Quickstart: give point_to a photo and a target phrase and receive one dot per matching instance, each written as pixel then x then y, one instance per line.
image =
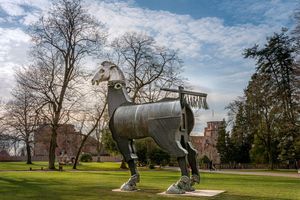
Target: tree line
pixel 265 122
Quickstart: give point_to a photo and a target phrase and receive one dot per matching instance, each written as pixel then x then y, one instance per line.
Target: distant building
pixel 4 155
pixel 68 142
pixel 206 144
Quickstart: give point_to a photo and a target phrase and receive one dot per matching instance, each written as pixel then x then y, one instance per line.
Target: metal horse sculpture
pixel 169 122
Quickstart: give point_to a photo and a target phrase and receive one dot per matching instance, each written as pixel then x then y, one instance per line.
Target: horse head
pixel 108 71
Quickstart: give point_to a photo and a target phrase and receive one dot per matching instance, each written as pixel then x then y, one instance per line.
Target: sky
pixel 209 34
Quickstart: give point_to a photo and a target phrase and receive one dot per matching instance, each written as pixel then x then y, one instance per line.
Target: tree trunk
pixel 79 150
pixel 99 148
pixel 28 150
pixel 52 149
pixel 78 153
pixel 98 158
pixel 271 163
pixel 87 135
pixel 123 164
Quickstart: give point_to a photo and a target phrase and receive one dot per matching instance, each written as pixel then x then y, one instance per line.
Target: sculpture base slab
pixel 197 193
pixel 119 190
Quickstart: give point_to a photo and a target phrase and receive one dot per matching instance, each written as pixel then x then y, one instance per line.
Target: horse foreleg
pixel 127 149
pixel 184 183
pixel 183 166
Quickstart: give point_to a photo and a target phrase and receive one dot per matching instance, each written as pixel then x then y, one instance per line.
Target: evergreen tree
pixel 272 96
pixel 224 145
pixel 241 137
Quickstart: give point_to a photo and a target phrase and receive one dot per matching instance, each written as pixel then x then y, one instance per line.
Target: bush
pixel 204 160
pixel 86 157
pixel 173 162
pixel 159 157
pixel 151 166
pixel 141 152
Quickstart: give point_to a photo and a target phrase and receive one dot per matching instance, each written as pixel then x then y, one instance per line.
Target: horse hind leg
pixel 168 136
pixel 186 183
pixel 126 147
pixel 178 150
pixel 192 158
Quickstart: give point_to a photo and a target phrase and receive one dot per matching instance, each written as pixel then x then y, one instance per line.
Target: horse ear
pixel 107 64
pixel 112 67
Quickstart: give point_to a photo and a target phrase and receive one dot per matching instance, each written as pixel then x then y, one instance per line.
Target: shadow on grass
pixel 33 189
pixel 228 196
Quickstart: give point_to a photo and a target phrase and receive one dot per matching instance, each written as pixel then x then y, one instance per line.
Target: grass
pixel 90 185
pixel 92 166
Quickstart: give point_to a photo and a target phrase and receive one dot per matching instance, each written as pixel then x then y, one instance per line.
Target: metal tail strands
pixel 194 99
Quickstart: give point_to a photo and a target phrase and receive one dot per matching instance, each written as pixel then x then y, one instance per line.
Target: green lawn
pixel 96 185
pixel 21 166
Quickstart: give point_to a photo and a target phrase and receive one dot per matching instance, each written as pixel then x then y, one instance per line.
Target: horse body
pixel 134 121
pixel 167 122
pixel 162 121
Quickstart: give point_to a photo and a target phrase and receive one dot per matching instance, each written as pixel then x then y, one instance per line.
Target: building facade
pixel 68 142
pixel 206 144
pixel 4 155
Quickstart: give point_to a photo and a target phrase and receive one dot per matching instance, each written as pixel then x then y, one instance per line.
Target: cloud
pixel 12 8
pixel 210 47
pixel 14 44
pixel 30 18
pixel 20 13
pixel 191 36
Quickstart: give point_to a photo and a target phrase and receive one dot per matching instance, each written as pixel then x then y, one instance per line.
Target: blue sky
pixel 209 34
pixel 232 12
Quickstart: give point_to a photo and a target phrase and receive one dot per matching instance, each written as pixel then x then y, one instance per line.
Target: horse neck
pixel 116 97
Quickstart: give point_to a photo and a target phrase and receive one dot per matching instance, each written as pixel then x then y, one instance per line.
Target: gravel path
pixel 226 171
pixel 292 175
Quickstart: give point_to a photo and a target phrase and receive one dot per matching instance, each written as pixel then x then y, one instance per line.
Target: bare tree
pixel 296 67
pixel 147 65
pixel 3 138
pixel 90 123
pixel 233 109
pixel 62 38
pixel 296 30
pixel 101 129
pixel 22 117
pixel 90 116
pixel 7 141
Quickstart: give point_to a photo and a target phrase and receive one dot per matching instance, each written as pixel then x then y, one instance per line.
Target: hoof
pixel 130 185
pixel 185 184
pixel 174 189
pixel 190 189
pixel 182 186
pixel 195 179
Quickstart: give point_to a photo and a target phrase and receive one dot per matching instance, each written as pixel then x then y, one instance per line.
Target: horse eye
pixel 101 71
pixel 118 86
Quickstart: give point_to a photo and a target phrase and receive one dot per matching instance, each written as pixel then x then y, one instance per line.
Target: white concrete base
pixel 119 190
pixel 197 193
